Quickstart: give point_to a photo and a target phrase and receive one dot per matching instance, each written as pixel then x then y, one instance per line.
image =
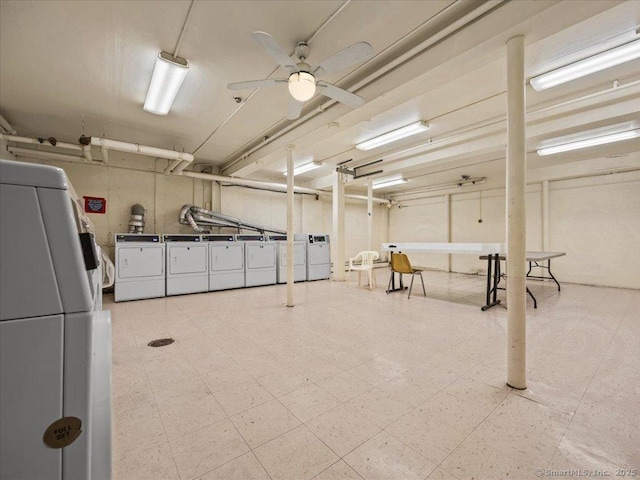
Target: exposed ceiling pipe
pixel 181 159
pixel 6 126
pixel 278 187
pixel 399 60
pixel 35 141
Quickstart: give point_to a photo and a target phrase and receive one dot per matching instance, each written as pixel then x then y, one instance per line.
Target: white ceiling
pixel 69 68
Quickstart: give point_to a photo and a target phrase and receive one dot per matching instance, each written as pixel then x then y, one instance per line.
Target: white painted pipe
pixel 172 165
pixel 370 213
pixel 35 141
pixel 290 206
pixel 6 126
pixel 545 216
pixel 141 149
pixel 280 187
pixel 516 216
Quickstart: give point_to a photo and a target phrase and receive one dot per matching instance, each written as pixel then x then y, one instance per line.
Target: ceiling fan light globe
pixel 302 86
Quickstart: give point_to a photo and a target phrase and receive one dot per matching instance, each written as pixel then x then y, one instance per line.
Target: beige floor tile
pixel 207 449
pixel 244 397
pixel 309 402
pixel 246 467
pixel 441 474
pixel 380 407
pixel 297 455
pixel 342 429
pixel 190 416
pixel 144 431
pixel 339 471
pixel 378 370
pixel 282 381
pixel 260 424
pixel 383 458
pixel 151 463
pixel 344 386
pixel 179 392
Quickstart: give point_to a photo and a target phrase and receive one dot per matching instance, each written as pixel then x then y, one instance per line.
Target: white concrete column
pixel 545 216
pixel 337 242
pixel 516 215
pixel 447 205
pixel 290 206
pixel 370 214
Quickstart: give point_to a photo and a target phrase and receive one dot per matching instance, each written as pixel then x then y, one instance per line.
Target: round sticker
pixel 62 432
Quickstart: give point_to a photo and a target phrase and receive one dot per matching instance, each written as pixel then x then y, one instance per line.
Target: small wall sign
pixel 95 204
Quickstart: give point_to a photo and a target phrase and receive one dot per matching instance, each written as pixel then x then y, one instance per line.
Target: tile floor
pixel 357 384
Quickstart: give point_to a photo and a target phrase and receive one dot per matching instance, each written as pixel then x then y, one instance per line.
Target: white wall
pixel 595 220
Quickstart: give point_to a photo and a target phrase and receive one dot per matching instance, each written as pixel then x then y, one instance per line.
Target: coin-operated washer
pixel 140 271
pixel 299 259
pixel 318 255
pixel 55 339
pixel 226 261
pixel 187 269
pixel 259 260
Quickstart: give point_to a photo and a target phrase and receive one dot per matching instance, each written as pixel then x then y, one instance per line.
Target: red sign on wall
pixel 95 204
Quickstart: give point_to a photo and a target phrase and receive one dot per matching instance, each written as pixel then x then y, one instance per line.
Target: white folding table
pixel 492 252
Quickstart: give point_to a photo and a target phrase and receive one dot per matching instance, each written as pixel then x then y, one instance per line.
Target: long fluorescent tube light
pixel 590 142
pixel 168 75
pixel 393 136
pixel 307 167
pixel 389 182
pixel 601 61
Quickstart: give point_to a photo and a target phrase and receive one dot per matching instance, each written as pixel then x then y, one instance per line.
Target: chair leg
pixel 370 279
pixel 389 285
pixel 411 286
pixel 422 280
pixel 359 277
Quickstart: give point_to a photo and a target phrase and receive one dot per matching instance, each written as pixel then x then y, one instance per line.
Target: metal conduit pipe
pixel 32 153
pixel 35 141
pixel 184 157
pixel 470 17
pixel 278 187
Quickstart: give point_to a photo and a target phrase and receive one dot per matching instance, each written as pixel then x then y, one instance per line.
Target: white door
pixel 186 259
pixel 135 262
pixel 261 255
pixel 225 258
pixel 318 254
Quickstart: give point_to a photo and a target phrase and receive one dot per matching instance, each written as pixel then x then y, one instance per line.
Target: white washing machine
pixel 187 264
pixel 259 260
pixel 299 259
pixel 55 339
pixel 318 255
pixel 140 271
pixel 226 262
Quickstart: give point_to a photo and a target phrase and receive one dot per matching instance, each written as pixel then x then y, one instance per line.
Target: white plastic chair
pixel 363 262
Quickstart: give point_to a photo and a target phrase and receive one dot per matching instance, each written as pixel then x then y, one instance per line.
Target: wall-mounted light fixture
pixel 307 167
pixel 389 182
pixel 588 141
pixel 587 66
pixel 168 75
pixel 394 135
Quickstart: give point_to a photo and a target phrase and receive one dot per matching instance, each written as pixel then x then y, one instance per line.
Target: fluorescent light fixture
pixel 601 61
pixel 389 182
pixel 394 135
pixel 307 167
pixel 168 75
pixel 302 86
pixel 590 142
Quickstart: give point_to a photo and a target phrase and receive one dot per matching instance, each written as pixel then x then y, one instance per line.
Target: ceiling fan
pixel 303 80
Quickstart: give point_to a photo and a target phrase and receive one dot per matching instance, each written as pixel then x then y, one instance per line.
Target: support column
pixel 338 228
pixel 516 215
pixel 370 214
pixel 290 205
pixel 447 205
pixel 545 216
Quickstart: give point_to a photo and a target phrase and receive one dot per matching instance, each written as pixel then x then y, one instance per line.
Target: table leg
pixel 493 269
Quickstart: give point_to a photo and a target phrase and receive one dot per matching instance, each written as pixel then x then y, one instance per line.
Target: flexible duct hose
pixel 201 220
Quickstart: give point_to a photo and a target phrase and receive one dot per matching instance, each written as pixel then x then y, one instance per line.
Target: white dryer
pixel 226 262
pixel 259 260
pixel 140 271
pixel 55 339
pixel 318 255
pixel 187 265
pixel 299 259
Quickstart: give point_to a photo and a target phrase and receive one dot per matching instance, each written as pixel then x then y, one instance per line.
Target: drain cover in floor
pixel 161 342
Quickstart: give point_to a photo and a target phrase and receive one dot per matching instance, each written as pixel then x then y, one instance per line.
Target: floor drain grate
pixel 161 342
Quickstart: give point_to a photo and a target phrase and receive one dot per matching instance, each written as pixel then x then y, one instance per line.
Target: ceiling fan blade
pixel 340 94
pixel 268 43
pixel 269 82
pixel 356 53
pixel 295 108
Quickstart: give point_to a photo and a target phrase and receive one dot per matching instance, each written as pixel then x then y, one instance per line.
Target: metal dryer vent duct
pixel 136 221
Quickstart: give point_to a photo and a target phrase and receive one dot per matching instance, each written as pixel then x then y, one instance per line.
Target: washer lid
pixel 32 175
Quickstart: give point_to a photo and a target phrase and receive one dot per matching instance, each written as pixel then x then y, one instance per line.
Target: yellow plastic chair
pixel 400 264
pixel 363 262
